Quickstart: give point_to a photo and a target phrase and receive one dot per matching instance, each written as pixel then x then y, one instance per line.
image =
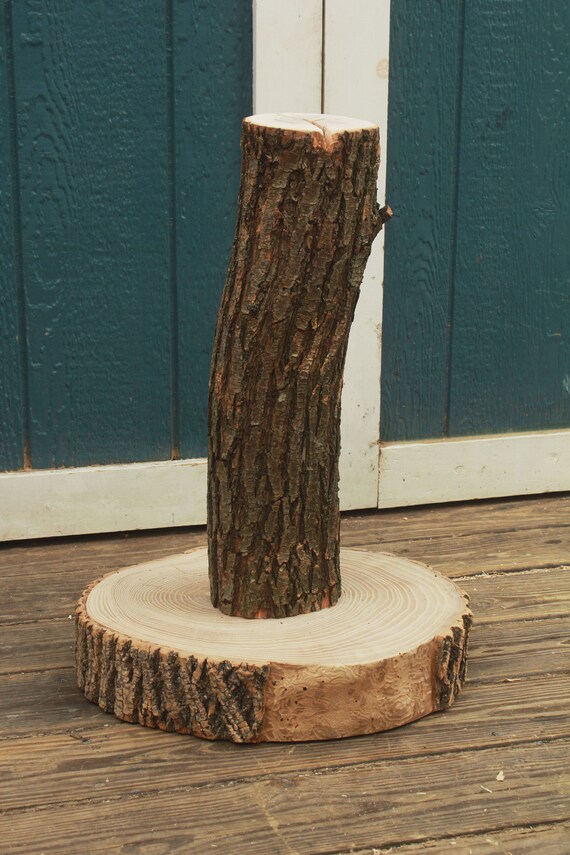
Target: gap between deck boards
pixel 497 842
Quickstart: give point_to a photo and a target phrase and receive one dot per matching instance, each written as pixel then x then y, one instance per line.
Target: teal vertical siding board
pixel 92 128
pixel 212 93
pixel 12 348
pixel 511 320
pixel 425 45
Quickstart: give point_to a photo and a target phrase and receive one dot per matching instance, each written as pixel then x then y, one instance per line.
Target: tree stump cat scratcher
pixel 275 633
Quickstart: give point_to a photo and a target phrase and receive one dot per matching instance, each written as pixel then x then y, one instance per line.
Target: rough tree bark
pixel 307 217
pixel 150 646
pixel 152 649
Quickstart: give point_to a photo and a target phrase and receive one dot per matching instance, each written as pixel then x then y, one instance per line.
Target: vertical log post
pixel 307 216
pixel 150 646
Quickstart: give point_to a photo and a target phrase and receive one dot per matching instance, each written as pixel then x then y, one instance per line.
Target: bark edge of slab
pixel 158 686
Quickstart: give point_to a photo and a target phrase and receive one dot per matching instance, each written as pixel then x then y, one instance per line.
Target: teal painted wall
pixel 476 319
pixel 119 168
pixel 12 383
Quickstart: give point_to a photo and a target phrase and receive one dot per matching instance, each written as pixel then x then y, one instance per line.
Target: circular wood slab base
pixel 152 649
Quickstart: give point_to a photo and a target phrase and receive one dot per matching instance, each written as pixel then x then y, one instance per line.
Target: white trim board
pixel 93 499
pixel 124 497
pixel 293 71
pixel 483 467
pixel 356 51
pixel 287 56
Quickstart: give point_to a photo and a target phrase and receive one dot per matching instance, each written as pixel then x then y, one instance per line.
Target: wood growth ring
pixel 261 637
pixel 152 649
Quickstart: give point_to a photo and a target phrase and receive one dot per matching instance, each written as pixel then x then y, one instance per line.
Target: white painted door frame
pixel 316 57
pixel 309 56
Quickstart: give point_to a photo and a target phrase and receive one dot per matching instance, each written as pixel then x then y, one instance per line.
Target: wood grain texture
pixel 459 519
pixel 212 76
pixel 12 347
pixel 151 648
pixel 425 51
pixel 488 715
pixel 503 650
pixel 525 840
pixel 60 595
pixel 473 555
pixel 90 96
pixel 76 780
pixel 522 623
pixel 510 368
pixel 492 717
pixel 458 539
pixel 276 814
pixel 532 595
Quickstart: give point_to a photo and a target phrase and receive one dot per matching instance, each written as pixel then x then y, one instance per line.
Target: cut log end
pixel 325 129
pixel 152 649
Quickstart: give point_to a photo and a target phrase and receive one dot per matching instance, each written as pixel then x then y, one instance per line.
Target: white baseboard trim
pixel 483 467
pixel 92 499
pixel 170 493
pixel 121 497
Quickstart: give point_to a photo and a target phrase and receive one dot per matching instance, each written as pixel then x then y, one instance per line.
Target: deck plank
pixel 93 555
pixel 460 518
pixel 470 555
pixel 48 713
pixel 79 780
pixel 519 596
pixel 528 840
pixel 375 804
pixel 518 648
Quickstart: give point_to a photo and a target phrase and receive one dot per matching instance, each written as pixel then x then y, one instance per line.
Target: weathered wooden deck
pixel 75 780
